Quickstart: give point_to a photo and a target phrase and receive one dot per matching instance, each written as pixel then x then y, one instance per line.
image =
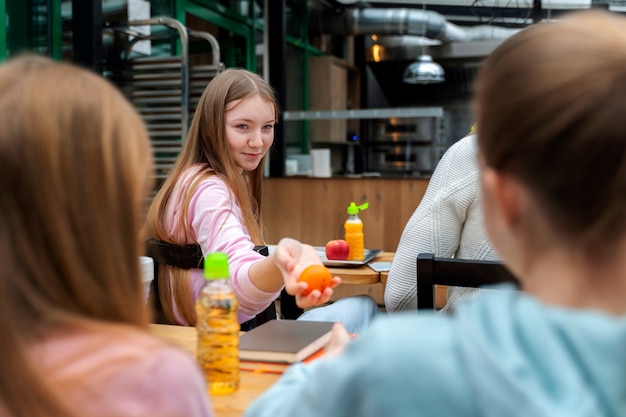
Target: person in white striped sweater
pixel 448 222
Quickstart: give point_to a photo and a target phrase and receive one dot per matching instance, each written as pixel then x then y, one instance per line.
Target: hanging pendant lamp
pixel 423 71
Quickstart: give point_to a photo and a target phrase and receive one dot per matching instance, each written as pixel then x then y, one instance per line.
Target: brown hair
pixel 550 102
pixel 74 163
pixel 206 144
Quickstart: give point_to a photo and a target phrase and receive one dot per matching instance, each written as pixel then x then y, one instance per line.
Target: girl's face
pixel 249 130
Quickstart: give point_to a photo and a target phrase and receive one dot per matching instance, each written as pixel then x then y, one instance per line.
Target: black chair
pixel 188 257
pixel 432 271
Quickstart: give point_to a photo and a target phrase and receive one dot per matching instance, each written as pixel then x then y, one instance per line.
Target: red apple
pixel 337 250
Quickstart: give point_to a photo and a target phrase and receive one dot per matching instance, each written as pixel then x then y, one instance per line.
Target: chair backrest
pixel 182 256
pixel 188 257
pixel 432 271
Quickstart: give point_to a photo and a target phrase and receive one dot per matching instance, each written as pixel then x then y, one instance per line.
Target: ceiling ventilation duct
pixel 402 21
pixel 402 34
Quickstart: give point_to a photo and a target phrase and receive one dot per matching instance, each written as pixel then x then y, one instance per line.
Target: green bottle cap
pixel 354 209
pixel 216 266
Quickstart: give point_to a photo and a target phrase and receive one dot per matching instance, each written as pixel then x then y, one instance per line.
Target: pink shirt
pixel 216 222
pixel 113 371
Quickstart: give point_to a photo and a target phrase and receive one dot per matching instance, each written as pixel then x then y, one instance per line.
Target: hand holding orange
pixel 317 277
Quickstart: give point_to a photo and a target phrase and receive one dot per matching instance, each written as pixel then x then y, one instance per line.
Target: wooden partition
pixel 313 210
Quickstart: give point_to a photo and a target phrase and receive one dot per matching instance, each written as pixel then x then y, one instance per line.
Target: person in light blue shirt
pixel 502 355
pixel 550 102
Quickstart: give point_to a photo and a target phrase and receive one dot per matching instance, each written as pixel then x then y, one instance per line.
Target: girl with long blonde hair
pixel 212 197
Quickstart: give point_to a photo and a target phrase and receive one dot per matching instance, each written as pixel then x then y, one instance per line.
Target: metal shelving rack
pixel 164 89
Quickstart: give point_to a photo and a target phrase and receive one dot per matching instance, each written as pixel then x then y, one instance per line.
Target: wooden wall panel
pixel 313 210
pixel 328 81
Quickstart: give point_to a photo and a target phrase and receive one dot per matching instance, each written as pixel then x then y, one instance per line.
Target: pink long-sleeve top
pixel 216 223
pixel 107 370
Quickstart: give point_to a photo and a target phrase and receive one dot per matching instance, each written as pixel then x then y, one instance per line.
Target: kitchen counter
pixel 368 175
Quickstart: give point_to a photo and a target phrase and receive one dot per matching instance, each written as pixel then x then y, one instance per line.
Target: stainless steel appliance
pixel 408 146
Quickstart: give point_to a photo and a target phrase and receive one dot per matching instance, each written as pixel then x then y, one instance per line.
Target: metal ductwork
pixel 402 34
pixel 402 21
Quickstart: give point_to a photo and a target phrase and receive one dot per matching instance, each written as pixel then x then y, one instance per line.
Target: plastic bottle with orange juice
pixel 218 328
pixel 353 228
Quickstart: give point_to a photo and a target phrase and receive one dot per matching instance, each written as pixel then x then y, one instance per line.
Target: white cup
pixel 291 167
pixel 320 163
pixel 147 273
pixel 304 162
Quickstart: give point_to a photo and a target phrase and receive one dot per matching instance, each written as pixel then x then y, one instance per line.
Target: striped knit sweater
pixel 447 223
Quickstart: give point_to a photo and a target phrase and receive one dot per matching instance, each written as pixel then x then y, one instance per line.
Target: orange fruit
pixel 317 276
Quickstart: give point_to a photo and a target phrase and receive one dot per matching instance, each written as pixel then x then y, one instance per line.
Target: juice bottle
pixel 218 328
pixel 353 228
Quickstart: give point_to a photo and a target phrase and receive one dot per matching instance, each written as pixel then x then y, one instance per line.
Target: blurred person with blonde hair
pixel 75 169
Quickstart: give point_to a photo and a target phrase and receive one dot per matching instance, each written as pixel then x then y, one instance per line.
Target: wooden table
pixel 363 274
pixel 251 384
pixel 366 275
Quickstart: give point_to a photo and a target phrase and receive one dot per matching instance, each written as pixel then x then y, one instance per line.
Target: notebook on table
pixel 284 341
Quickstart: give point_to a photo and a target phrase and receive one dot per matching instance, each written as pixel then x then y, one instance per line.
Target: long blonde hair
pixel 207 145
pixel 74 166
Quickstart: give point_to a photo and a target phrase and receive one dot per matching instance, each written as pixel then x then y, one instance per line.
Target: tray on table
pixel 369 255
pixel 321 251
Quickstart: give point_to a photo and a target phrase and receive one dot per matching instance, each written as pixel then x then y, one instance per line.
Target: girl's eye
pixel 268 127
pixel 242 126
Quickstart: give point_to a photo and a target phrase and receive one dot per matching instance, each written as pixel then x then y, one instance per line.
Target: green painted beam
pixel 298 43
pixel 228 12
pixel 3 30
pixel 218 19
pixel 224 18
pixel 55 29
